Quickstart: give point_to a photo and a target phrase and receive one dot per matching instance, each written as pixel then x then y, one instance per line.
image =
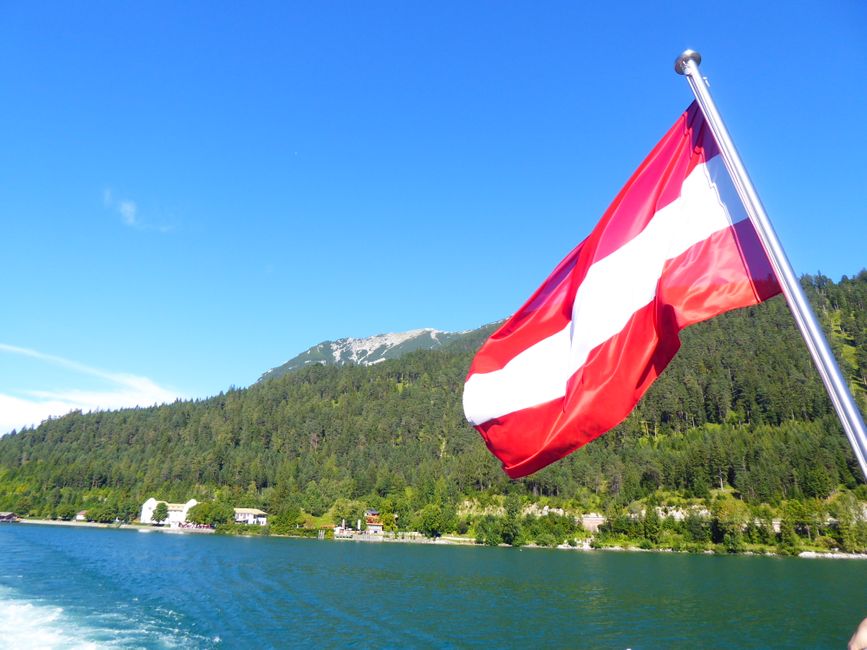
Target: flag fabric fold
pixel 673 249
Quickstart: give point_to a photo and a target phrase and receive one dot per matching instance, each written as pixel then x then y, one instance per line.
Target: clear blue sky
pixel 192 193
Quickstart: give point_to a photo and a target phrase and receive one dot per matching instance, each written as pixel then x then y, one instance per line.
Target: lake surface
pixel 63 587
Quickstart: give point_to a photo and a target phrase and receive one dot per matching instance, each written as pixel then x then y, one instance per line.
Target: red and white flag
pixel 674 248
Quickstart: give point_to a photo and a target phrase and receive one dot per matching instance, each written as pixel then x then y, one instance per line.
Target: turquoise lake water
pixel 64 587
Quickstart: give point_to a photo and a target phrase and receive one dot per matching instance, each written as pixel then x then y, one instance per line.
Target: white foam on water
pixel 33 625
pixel 28 625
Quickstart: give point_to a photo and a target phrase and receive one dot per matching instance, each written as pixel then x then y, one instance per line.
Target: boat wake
pixel 30 623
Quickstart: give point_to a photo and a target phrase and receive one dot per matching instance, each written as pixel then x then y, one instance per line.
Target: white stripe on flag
pixel 707 204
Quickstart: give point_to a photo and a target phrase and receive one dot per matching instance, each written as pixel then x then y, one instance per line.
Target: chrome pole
pixel 844 404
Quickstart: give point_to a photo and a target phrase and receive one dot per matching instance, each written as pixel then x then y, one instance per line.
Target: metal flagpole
pixel 687 64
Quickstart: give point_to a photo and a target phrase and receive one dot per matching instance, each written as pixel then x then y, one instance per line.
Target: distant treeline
pixel 740 408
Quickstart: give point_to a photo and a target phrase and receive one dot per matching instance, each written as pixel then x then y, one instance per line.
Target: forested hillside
pixel 740 409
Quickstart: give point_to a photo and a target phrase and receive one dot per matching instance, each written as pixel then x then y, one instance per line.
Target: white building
pixel 177 512
pixel 251 516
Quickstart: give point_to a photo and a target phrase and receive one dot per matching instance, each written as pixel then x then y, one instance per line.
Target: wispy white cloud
pixel 128 211
pixel 33 406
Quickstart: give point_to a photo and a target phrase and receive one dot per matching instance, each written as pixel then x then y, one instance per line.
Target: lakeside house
pixel 374 525
pixel 251 516
pixel 81 515
pixel 373 530
pixel 177 512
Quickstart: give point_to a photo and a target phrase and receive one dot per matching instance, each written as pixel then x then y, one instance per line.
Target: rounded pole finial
pixel 685 57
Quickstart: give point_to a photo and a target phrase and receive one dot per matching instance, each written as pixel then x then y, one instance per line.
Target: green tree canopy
pixel 161 513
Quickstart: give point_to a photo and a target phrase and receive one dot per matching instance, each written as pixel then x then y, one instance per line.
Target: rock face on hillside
pixel 368 351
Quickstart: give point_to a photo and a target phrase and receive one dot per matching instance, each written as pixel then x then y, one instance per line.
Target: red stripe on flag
pixel 724 272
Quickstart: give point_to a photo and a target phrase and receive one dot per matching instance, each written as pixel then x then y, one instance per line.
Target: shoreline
pixel 94 524
pixel 583 546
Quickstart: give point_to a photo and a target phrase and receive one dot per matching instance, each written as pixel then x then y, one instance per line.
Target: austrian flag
pixel 674 248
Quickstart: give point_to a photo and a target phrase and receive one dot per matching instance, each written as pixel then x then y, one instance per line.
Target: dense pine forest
pixel 738 424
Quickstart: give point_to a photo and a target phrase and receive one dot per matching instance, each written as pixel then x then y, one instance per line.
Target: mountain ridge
pixel 371 350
